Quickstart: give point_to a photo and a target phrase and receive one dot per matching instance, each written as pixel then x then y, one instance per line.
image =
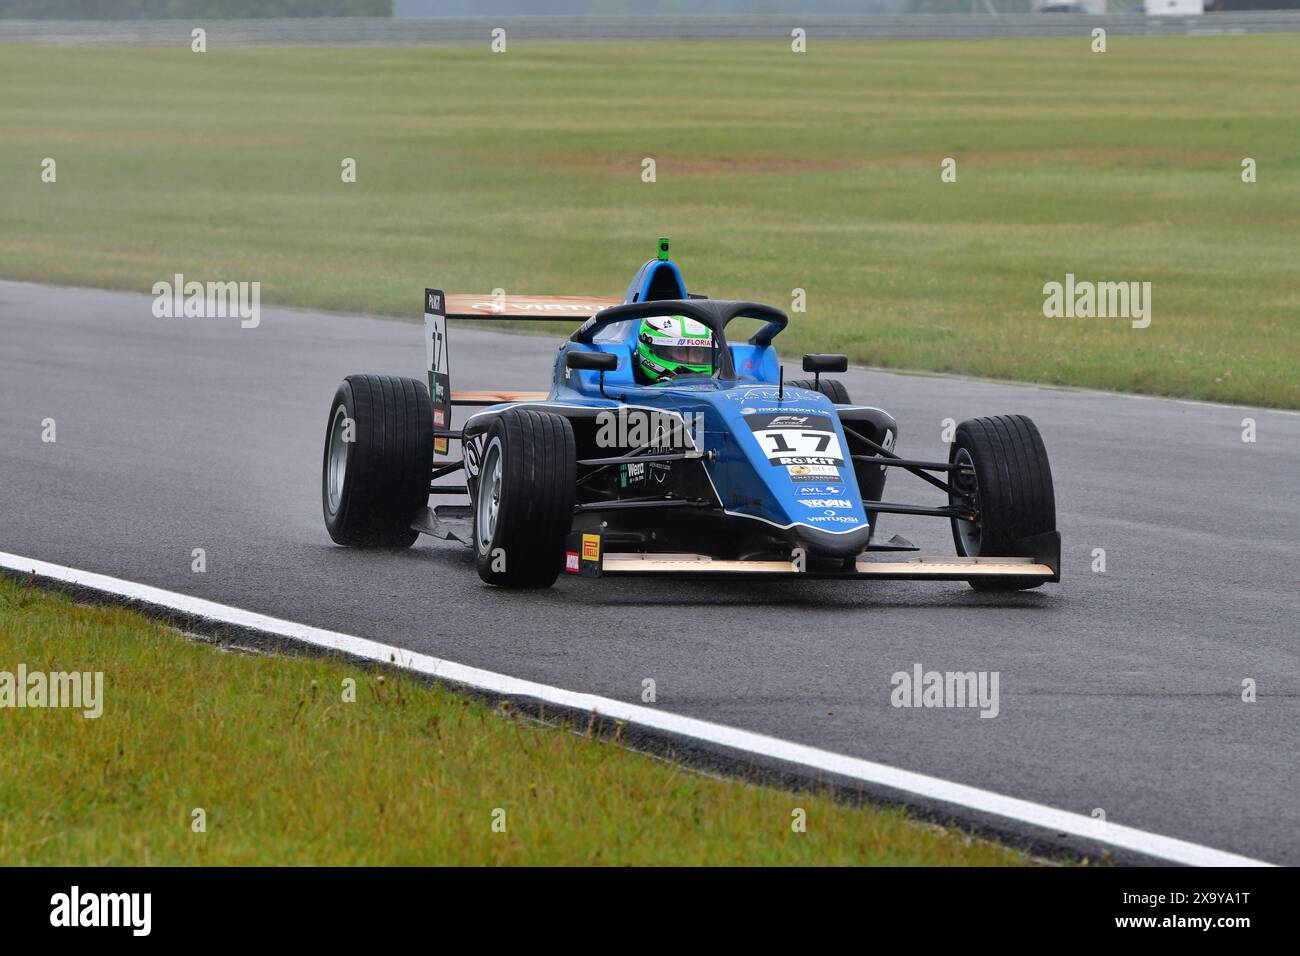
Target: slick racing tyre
pixel 1007 481
pixel 830 387
pixel 378 455
pixel 523 507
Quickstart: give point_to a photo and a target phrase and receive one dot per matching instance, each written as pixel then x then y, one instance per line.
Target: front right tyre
pixel 523 504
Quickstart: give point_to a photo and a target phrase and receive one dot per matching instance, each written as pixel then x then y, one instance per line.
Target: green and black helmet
pixel 672 345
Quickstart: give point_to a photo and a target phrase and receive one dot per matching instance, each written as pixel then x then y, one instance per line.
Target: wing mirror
pixel 824 362
pixel 593 361
pixel 601 362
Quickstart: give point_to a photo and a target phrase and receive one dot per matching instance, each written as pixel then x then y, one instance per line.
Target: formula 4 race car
pixel 665 447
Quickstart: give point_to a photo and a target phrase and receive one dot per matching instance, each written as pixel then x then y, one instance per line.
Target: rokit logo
pixel 132 910
pixel 804 459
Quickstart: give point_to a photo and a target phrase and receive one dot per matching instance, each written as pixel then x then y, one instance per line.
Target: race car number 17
pixel 797 439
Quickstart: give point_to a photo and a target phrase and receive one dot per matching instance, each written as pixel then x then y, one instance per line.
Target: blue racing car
pixel 669 444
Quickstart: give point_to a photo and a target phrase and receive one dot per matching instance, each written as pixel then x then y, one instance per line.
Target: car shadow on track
pixel 803 595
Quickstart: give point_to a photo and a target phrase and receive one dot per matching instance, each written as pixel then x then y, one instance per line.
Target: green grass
pixel 775 171
pixel 288 773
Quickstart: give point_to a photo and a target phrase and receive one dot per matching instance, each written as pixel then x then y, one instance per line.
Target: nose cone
pixel 844 544
pixel 794 445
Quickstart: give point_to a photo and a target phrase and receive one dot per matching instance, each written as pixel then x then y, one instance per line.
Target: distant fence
pixel 384 31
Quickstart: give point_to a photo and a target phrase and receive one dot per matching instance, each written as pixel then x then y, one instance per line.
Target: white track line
pixel 930 788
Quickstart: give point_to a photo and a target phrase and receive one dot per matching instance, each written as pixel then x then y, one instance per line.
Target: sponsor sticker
pixel 437 362
pixel 591 547
pixel 472 449
pixel 813 473
pixel 770 395
pixel 760 394
pixel 636 473
pixel 826 502
pixel 571 561
pixel 796 439
pixel 827 490
pixel 805 460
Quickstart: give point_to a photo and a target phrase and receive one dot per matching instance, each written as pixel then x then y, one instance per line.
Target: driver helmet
pixel 672 345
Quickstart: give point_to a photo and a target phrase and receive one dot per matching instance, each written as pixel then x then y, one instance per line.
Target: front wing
pixel 1040 558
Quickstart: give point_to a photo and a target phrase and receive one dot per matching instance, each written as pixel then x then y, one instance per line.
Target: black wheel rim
pixel 966 494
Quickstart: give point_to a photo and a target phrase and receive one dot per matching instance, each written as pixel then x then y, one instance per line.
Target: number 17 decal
pixel 786 446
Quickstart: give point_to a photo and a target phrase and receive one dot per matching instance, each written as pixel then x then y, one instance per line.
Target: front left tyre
pixel 1002 475
pixel 378 457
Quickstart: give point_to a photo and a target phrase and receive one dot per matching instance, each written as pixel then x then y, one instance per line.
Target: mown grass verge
pixel 285 771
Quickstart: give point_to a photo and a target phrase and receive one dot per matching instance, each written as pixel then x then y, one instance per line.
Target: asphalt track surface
pixel 1118 690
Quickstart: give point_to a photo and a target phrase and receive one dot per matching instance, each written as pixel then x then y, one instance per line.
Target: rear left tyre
pixel 378 456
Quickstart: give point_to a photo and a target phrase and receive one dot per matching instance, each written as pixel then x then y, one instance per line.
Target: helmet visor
pixel 698 355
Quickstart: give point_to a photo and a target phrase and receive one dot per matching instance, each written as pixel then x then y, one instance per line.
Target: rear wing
pixel 440 306
pixel 535 307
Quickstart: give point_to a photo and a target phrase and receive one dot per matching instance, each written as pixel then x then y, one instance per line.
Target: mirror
pixel 825 363
pixel 594 361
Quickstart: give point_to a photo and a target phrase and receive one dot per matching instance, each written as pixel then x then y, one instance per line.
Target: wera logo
pixel 103 909
pixel 82 691
pixel 946 689
pixel 211 300
pixel 1102 300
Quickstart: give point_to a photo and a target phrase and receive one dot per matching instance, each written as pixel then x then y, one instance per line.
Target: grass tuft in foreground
pixel 286 772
